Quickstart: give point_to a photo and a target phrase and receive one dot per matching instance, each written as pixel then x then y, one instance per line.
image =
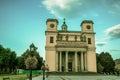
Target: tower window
pixel 51 39
pixel 89 40
pixel 84 39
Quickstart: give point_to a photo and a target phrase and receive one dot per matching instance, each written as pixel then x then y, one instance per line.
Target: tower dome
pixel 64 26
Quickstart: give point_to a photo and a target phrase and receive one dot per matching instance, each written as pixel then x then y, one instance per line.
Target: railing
pixel 71 44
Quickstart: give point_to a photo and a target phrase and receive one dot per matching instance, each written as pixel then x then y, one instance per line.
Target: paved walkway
pixel 78 78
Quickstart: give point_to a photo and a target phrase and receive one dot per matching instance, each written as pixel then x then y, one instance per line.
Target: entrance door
pixel 69 66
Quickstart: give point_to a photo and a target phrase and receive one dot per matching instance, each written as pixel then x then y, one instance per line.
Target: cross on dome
pixel 64 21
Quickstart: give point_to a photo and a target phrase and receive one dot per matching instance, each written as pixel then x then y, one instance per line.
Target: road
pixel 52 77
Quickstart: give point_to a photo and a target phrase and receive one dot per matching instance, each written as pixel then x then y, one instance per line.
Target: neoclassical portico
pixel 71 61
pixel 70 51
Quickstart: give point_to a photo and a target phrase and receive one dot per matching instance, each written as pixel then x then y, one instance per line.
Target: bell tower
pixel 52 24
pixel 88 30
pixel 87 26
pixel 51 38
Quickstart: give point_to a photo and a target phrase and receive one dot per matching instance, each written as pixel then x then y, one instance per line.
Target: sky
pixel 23 22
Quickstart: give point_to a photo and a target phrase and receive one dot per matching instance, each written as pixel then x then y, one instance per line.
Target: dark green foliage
pixel 20 62
pixel 106 61
pixel 117 64
pixel 8 61
pixel 21 59
pixel 99 68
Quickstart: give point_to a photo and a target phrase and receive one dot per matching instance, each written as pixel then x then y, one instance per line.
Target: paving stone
pixel 52 77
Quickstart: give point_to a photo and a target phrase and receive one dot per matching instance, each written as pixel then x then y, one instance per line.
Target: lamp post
pixel 30 73
pixel 32 62
pixel 43 69
pixel 32 48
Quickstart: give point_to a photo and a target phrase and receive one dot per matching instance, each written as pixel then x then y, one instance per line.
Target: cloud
pixel 114 9
pixel 73 8
pixel 114 49
pixel 100 43
pixel 116 5
pixel 113 32
pixel 63 8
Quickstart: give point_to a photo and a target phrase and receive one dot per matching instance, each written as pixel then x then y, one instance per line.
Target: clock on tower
pixel 52 24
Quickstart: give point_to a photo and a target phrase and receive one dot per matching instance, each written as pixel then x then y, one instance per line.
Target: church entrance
pixel 69 66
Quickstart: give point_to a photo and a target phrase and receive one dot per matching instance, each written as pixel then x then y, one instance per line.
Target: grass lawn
pixel 14 77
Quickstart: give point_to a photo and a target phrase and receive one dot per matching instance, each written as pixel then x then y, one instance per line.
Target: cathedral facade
pixel 70 51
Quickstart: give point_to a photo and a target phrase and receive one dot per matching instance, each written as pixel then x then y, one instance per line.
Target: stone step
pixel 73 73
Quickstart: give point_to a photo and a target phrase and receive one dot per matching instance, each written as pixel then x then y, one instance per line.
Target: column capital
pixel 83 51
pixel 76 51
pixel 66 51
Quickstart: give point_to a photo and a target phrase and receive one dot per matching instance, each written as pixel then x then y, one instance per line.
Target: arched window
pixel 84 38
pixel 81 38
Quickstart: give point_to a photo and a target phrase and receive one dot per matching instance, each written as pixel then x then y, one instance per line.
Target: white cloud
pixel 113 32
pixel 70 8
pixel 100 43
pixel 77 8
pixel 63 8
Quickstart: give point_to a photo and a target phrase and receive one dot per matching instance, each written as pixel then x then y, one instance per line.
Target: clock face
pixel 88 26
pixel 52 25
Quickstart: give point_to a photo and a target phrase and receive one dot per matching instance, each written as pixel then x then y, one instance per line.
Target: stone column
pixel 66 61
pixel 56 60
pixel 85 61
pixel 76 68
pixel 60 61
pixel 82 68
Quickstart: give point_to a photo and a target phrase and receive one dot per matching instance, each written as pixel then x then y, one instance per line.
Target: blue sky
pixel 23 22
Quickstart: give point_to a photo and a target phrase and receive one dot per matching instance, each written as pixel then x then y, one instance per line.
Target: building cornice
pixel 69 31
pixel 87 21
pixel 50 32
pixel 52 20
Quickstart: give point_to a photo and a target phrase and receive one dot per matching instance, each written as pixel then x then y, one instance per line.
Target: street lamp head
pixel 32 47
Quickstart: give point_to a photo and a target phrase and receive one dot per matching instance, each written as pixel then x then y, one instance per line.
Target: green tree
pixel 106 60
pixel 31 62
pixel 7 60
pixel 117 64
pixel 99 68
pixel 20 62
pixel 1 58
pixel 12 61
pixel 30 59
pixel 28 53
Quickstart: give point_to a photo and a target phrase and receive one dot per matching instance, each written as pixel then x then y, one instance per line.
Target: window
pixel 66 37
pixel 84 39
pixel 89 40
pixel 51 39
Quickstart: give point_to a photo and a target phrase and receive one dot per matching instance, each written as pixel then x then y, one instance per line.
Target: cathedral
pixel 70 51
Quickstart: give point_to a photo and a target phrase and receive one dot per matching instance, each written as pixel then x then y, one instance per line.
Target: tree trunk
pixel 30 74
